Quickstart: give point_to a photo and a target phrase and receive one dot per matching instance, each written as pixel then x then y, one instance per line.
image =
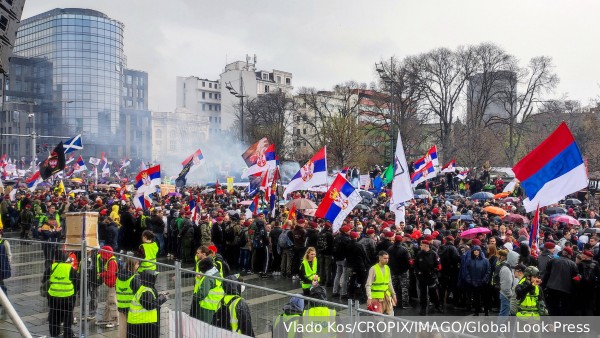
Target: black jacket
pixel 326 236
pixel 426 264
pixel 559 275
pixel 340 244
pixel 312 236
pixel 399 259
pixel 359 261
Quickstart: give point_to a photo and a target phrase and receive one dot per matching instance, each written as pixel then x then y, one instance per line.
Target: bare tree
pixel 269 115
pixel 442 73
pixel 332 119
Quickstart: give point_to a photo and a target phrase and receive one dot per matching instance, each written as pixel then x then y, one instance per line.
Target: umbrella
pixel 555 210
pixel 77 191
pixel 482 195
pixel 565 219
pixel 502 195
pixel 113 185
pixel 422 193
pixel 495 210
pixel 489 187
pixel 592 231
pixel 472 233
pixel 174 194
pixel 362 207
pixel 301 204
pixel 572 201
pixel 466 218
pixel 455 197
pixel 516 218
pixel 248 202
pixel 511 199
pixel 207 191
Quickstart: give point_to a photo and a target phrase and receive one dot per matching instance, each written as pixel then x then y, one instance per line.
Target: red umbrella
pixel 515 218
pixel 566 219
pixel 472 233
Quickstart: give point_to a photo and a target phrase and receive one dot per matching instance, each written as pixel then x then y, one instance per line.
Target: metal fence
pixel 31 259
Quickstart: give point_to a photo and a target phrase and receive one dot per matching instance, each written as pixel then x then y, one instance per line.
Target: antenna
pixel 255 59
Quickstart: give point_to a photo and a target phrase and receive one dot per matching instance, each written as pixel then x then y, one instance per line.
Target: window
pixel 209 85
pixel 210 107
pixel 173 145
pixel 278 79
pixel 3 22
pixel 210 95
pixel 203 84
pixel 203 95
pixel 265 76
pixel 203 107
pixel 298 131
pixel 266 89
pixel 210 119
pixel 304 131
pixel 288 81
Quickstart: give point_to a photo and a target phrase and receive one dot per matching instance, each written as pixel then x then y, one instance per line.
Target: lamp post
pixel 241 96
pixel 33 140
pixel 379 67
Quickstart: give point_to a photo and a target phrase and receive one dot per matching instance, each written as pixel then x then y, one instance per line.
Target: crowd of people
pixel 390 266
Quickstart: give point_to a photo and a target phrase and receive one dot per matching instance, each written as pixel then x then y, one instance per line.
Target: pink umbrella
pixel 472 233
pixel 566 219
pixel 248 202
pixel 511 199
pixel 515 218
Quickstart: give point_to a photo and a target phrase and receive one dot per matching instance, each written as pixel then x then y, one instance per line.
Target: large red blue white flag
pixel 259 157
pixel 314 172
pixel 339 201
pixel 552 171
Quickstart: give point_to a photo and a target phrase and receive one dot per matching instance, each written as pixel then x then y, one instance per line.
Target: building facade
pixel 201 97
pixel 91 91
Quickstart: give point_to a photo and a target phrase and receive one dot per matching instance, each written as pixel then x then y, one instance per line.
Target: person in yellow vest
pixel 292 312
pixel 143 318
pixel 208 292
pixel 61 294
pixel 528 303
pixel 148 250
pixel 319 312
pixel 308 271
pixel 233 313
pixel 127 280
pixel 379 288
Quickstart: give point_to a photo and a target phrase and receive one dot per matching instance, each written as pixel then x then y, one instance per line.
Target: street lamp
pixel 379 67
pixel 241 96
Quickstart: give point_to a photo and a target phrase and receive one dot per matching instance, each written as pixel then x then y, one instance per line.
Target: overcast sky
pixel 326 42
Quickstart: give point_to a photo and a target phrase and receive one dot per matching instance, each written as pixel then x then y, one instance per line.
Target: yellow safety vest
pixel 150 250
pixel 529 305
pixel 218 265
pixel 137 313
pixel 212 300
pixel 319 313
pixel 310 272
pixel 279 328
pixel 198 278
pixel 60 281
pixel 235 327
pixel 380 288
pixel 124 292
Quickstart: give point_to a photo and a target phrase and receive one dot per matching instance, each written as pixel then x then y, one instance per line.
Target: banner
pixel 365 181
pixel 230 184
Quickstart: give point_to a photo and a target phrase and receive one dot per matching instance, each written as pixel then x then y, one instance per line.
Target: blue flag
pixel 73 144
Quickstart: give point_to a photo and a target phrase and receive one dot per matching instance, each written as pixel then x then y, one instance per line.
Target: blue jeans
pixel 504 309
pixel 160 240
pixel 245 259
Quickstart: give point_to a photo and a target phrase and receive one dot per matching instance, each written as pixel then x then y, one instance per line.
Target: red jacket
pixel 109 275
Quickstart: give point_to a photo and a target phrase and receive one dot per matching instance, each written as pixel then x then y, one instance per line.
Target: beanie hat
pixel 301 221
pixel 475 241
pixel 426 242
pixel 568 250
pixel 549 245
pixel 588 253
pixel 212 248
pixel 388 234
pixel 345 228
pixel 370 232
pixel 354 235
pixel 327 225
pixel 398 238
pixel 313 225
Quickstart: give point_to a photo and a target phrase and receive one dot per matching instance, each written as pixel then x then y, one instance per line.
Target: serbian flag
pixel 259 157
pixel 552 171
pixel 33 181
pixel 147 179
pixel 339 201
pixel 344 171
pixel 425 173
pixel 254 206
pixel 314 172
pixel 463 174
pixel 79 166
pixel 196 158
pixel 431 156
pixel 534 232
pixel 449 167
pixel 142 201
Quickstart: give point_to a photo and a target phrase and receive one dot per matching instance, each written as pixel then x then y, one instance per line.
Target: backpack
pixel 257 241
pixel 588 274
pixel 238 239
pixel 284 240
pixel 322 242
pixel 222 318
pixel 229 234
pixel 496 275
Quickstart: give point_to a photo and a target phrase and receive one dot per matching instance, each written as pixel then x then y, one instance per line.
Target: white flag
pixel 401 187
pixel 511 186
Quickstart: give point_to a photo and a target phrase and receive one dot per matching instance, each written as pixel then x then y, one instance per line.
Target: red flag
pixel 535 232
pixel 292 213
pixel 218 189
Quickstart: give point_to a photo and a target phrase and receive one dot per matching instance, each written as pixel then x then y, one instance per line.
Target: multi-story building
pixel 488 92
pixel 219 101
pixel 91 92
pixel 201 97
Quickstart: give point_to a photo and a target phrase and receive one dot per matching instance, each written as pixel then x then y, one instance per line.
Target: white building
pixel 202 98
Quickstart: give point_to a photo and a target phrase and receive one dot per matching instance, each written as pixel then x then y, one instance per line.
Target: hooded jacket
pixel 114 214
pixel 478 269
pixel 242 310
pixel 507 276
pixel 109 275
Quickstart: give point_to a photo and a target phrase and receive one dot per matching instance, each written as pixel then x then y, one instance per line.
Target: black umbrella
pixel 572 201
pixel 362 207
pixel 555 210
